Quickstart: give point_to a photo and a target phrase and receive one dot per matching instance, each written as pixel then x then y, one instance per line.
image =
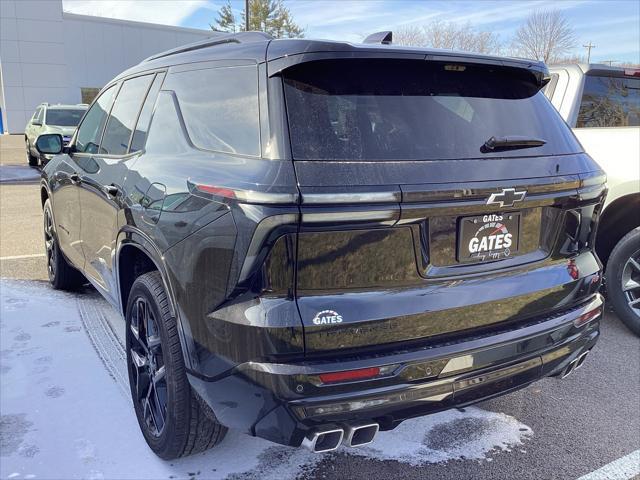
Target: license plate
pixel 490 237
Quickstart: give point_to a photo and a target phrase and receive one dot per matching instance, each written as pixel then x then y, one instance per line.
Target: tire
pixel 32 159
pixel 623 279
pixel 62 276
pixel 175 422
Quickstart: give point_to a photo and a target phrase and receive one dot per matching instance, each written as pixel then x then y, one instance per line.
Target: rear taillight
pixel 631 72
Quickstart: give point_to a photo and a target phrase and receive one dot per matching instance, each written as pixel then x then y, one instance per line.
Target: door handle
pixel 75 178
pixel 111 190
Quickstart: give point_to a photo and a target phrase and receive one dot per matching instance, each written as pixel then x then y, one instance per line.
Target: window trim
pixel 156 75
pixel 127 153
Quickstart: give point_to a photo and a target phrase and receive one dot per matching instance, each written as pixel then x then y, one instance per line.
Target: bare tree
pixel 546 35
pixel 450 36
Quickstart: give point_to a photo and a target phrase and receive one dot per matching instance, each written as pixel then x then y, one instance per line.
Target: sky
pixel 613 26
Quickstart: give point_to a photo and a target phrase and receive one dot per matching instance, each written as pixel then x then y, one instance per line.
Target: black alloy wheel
pixel 174 421
pixel 149 371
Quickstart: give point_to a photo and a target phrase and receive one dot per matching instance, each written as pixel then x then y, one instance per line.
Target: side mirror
pixel 49 143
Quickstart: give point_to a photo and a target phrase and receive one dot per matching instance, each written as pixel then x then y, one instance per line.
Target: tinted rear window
pixel 610 102
pixel 64 117
pixel 363 109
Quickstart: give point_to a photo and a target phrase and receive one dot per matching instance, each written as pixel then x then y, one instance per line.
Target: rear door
pixel 102 177
pixel 66 196
pixel 409 218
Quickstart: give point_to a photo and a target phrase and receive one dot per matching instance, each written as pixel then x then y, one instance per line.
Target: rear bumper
pixel 283 402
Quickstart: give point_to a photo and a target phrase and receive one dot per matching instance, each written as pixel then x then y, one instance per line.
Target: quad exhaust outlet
pixel 327 439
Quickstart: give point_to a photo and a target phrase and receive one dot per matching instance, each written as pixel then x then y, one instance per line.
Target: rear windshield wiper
pixel 511 142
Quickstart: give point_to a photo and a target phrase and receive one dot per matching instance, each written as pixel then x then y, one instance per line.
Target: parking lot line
pixel 621 469
pixel 20 257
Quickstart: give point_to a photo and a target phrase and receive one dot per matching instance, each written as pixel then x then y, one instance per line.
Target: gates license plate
pixel 490 237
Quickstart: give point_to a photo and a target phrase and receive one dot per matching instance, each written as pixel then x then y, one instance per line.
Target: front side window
pixel 387 110
pixel 123 115
pixel 220 107
pixel 609 102
pixel 64 117
pixel 88 137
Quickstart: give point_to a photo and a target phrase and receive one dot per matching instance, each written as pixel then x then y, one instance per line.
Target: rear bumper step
pixel 281 402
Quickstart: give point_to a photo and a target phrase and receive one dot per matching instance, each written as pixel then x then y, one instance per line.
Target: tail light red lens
pixel 350 375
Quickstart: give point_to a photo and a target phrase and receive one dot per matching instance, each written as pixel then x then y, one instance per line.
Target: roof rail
pixel 240 37
pixel 384 38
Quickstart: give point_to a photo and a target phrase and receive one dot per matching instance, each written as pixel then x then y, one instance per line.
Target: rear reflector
pixel 349 375
pixel 587 317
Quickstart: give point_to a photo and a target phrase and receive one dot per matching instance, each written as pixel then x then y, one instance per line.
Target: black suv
pixel 314 240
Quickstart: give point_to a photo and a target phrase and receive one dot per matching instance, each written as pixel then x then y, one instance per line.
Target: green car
pixel 61 119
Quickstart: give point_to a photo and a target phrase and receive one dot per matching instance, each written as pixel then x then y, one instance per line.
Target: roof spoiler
pixel 240 37
pixel 385 38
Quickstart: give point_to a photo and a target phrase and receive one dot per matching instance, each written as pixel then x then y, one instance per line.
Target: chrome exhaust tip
pixel 321 441
pixel 581 359
pixel 569 370
pixel 360 434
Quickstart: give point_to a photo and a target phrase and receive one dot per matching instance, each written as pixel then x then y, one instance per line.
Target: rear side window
pixel 220 107
pixel 142 126
pixel 375 109
pixel 123 115
pixel 610 102
pixel 88 137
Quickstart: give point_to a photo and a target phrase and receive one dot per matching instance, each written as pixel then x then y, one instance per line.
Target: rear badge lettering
pixel 326 317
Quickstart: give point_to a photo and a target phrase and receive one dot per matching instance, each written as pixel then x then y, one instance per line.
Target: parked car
pixel 313 240
pixel 62 119
pixel 602 105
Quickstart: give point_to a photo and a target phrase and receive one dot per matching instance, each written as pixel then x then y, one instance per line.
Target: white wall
pixel 47 55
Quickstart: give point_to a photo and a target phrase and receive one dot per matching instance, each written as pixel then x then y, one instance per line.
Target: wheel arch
pixel 136 254
pixel 615 222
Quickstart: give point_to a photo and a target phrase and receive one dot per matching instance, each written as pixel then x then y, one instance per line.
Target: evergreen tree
pixel 270 16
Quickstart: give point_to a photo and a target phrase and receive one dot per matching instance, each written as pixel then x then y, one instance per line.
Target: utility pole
pixel 246 15
pixel 589 46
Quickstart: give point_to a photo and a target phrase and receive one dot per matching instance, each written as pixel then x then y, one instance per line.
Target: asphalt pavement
pixel 576 425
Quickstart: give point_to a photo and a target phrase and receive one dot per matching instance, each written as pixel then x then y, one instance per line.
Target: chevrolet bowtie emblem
pixel 506 198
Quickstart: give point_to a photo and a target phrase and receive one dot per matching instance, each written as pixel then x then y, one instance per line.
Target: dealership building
pixel 48 55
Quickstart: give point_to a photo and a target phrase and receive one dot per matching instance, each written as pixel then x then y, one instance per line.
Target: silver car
pixel 62 119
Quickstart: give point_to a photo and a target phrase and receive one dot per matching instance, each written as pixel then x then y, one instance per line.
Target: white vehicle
pixel 602 105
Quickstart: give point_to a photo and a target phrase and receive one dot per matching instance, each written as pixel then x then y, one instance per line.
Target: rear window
pixel 66 117
pixel 364 109
pixel 610 102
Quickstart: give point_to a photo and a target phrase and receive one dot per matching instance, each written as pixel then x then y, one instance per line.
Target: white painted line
pixel 20 257
pixel 622 469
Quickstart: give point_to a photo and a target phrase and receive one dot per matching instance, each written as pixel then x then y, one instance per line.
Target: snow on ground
pixel 66 413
